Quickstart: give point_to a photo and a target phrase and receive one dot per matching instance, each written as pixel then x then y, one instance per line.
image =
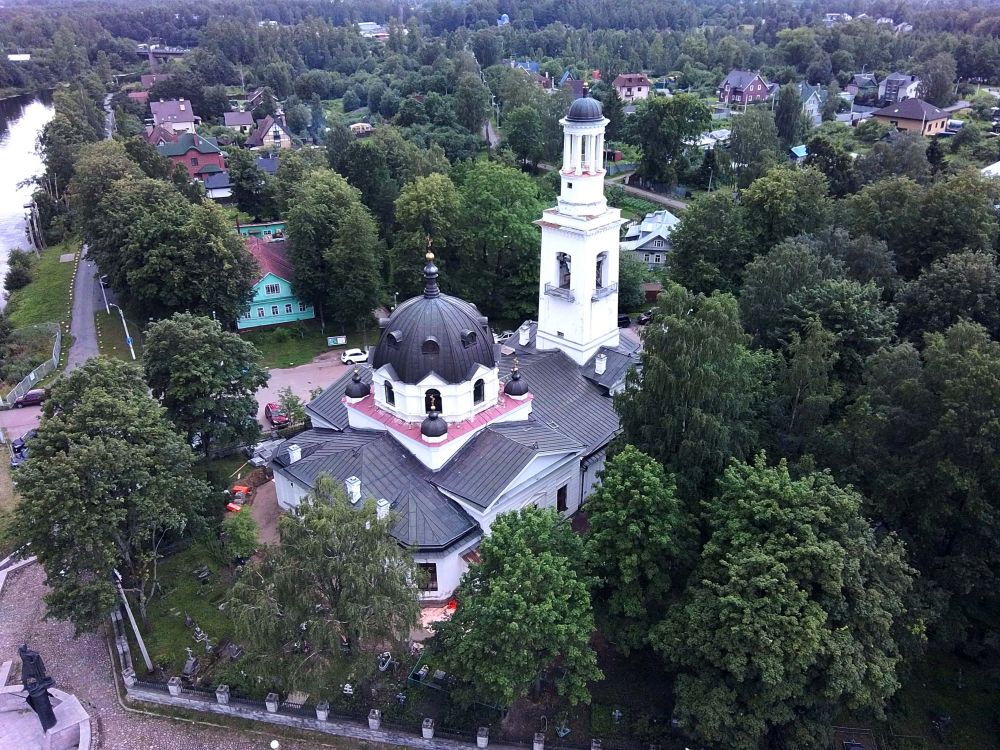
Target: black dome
pixel 435 333
pixel 585 109
pixel 516 385
pixel 357 389
pixel 433 426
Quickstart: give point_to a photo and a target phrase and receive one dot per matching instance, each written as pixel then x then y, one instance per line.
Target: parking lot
pixel 302 379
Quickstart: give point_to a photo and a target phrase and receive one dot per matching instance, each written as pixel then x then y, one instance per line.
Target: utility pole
pixel 128 339
pixel 131 618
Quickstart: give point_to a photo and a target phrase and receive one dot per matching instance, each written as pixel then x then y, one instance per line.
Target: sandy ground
pixel 316 374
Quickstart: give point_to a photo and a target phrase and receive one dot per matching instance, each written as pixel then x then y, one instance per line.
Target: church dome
pixel 585 109
pixel 356 388
pixel 435 333
pixel 433 426
pixel 516 387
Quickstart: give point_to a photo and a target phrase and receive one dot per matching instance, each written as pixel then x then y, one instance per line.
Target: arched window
pixel 602 269
pixel 390 394
pixel 430 346
pixel 563 270
pixel 479 391
pixel 432 400
pixel 468 338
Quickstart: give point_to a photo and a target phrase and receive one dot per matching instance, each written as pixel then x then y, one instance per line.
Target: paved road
pixel 491 135
pixel 302 379
pixel 663 200
pixel 86 294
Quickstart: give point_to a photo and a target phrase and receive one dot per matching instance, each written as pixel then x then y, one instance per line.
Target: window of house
pixel 272 289
pixel 274 309
pixel 302 307
pixel 563 270
pixel 479 391
pixel 288 309
pixel 428 576
pixel 277 135
pixel 194 161
pixel 390 394
pixel 657 243
pixel 247 315
pixel 561 498
pixel 657 258
pixel 432 400
pixel 260 312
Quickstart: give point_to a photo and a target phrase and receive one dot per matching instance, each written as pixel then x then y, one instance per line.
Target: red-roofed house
pixel 274 299
pixel 632 87
pixel 200 155
pixel 142 97
pixel 149 79
pixel 271 133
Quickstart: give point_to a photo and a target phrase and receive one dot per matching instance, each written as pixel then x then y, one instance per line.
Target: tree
pixel 252 190
pixel 291 405
pixel 902 155
pixel 356 247
pixel 711 245
pixel 239 535
pixel 662 126
pixel 336 589
pixel 614 112
pixel 696 359
pixel 935 155
pixel 785 202
pixel 470 102
pixel 788 115
pixel 351 101
pixel 937 80
pixel 206 378
pixel 97 166
pixel 524 134
pixel 793 613
pixel 962 285
pixel 835 163
pixel 753 145
pixel 524 608
pixel 336 142
pixel 638 545
pixel 632 273
pixel 107 484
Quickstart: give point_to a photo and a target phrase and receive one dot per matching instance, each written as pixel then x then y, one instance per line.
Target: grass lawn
pixel 290 346
pixel 111 337
pixel 8 499
pixel 46 298
pixel 222 469
pixel 167 636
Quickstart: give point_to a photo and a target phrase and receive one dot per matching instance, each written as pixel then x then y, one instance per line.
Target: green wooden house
pixel 274 301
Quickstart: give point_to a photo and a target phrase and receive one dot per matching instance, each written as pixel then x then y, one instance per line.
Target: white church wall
pixel 450 568
pixel 541 490
pixel 457 399
pixel 289 493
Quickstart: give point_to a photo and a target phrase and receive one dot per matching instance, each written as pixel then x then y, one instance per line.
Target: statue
pixel 37 683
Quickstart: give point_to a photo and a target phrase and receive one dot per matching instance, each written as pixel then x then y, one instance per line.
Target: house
pixel 798 153
pixel 271 133
pixel 545 83
pixel 142 97
pixel 813 98
pixel 254 99
pixel 914 115
pixel 528 66
pixel 218 186
pixel 267 229
pixel 362 129
pixel 201 156
pixel 896 87
pixel 960 106
pixel 448 430
pixel 160 134
pixel 649 240
pixel 19 57
pixel 175 114
pixel 274 301
pixel 863 86
pixel 744 87
pixel 241 121
pixel 268 164
pixel 832 19
pixel 884 21
pixel 149 79
pixel 712 139
pixel 574 86
pixel 372 30
pixel 632 87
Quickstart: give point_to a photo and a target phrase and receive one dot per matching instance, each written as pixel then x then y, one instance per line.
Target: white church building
pixel 448 429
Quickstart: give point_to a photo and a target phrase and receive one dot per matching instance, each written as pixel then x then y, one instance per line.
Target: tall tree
pixel 835 163
pixel 108 482
pixel 614 111
pixel 206 378
pixel 336 589
pixel 252 188
pixel 962 285
pixel 785 202
pixel 524 608
pixel 793 613
pixel 523 127
pixel 97 166
pixel 662 126
pixel 695 402
pixel 788 115
pixel 639 545
pixel 937 79
pixel 753 145
pixel 711 245
pixel 471 102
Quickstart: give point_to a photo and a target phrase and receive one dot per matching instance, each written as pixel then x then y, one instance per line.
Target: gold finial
pixel 429 256
pixel 514 368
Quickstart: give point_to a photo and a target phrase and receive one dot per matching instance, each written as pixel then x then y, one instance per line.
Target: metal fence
pixel 33 377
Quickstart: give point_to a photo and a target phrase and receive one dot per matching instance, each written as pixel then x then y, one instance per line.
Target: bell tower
pixel 578 279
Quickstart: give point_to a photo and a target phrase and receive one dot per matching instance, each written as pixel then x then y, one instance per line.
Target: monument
pixel 37 683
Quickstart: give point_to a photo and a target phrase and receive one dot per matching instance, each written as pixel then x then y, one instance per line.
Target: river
pixel 21 121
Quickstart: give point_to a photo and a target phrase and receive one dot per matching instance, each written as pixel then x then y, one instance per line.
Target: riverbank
pixel 46 298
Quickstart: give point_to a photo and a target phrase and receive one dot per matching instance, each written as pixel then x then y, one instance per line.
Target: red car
pixel 31 398
pixel 275 416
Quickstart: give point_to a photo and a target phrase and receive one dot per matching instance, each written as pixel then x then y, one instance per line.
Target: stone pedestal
pixel 128 675
pixel 174 686
pixel 271 701
pixel 539 742
pixel 483 737
pixel 374 719
pixel 595 745
pixel 427 729
pixel 222 695
pixel 322 711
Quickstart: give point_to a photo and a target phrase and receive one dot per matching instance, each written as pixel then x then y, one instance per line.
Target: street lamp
pixel 128 339
pixel 395 296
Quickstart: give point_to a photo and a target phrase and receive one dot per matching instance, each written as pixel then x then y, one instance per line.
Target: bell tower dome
pixel 578 279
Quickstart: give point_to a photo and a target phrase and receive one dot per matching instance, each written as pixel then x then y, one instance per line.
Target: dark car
pixel 624 321
pixel 647 317
pixel 274 415
pixel 19 445
pixel 31 398
pixel 18 458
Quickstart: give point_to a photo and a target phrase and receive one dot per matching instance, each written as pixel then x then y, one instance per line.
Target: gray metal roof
pixel 328 405
pixel 428 519
pixel 620 359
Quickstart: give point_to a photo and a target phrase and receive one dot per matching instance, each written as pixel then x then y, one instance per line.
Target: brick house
pixel 632 87
pixel 201 156
pixel 744 87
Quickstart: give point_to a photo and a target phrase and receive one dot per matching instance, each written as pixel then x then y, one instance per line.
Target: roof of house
pixel 806 92
pixel 631 79
pixel 160 134
pixel 217 181
pixel 530 66
pixel 912 109
pixel 172 110
pixel 271 256
pixel 901 77
pixel 655 225
pixel 149 79
pixel 238 119
pixel 739 79
pixel 208 169
pixel 618 361
pixel 575 87
pixel 268 164
pixel 139 96
pixel 864 80
pixel 263 128
pixel 993 170
pixel 187 142
pixel 799 152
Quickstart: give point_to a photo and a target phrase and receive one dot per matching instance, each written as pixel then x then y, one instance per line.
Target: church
pixel 446 428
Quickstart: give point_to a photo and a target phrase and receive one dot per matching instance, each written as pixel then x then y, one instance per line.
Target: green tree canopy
pixel 711 245
pixel 97 167
pixel 962 285
pixel 754 145
pixel 429 211
pixel 524 608
pixel 661 127
pixel 785 202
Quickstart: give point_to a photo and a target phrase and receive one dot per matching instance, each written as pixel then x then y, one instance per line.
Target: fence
pixel 39 372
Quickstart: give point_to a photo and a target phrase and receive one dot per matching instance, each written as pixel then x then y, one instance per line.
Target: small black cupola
pixel 431 288
pixel 356 389
pixel 516 387
pixel 433 426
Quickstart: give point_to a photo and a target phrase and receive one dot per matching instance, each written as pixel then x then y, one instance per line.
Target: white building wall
pixel 457 399
pixel 450 568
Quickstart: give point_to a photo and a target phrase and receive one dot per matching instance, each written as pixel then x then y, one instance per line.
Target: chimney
pixel 600 364
pixel 195 139
pixel 181 107
pixel 524 334
pixel 353 486
pixel 382 509
pixel 294 453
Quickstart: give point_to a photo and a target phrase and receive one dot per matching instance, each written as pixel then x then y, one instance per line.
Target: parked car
pixel 503 337
pixel 32 398
pixel 647 317
pixel 18 458
pixel 20 443
pixel 624 321
pixel 354 356
pixel 274 415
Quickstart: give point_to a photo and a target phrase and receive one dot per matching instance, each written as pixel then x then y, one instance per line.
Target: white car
pixel 502 338
pixel 354 356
